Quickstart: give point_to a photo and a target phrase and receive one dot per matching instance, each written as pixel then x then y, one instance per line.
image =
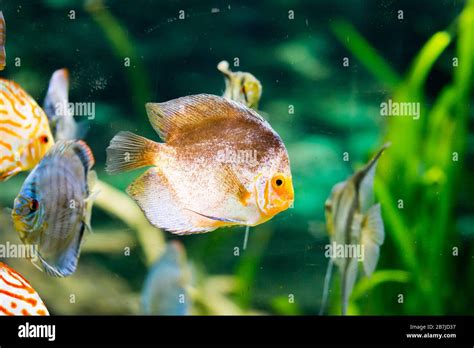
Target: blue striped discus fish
pixel 54 206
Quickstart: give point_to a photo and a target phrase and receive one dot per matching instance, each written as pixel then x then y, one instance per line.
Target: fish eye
pixel 278 181
pixel 34 205
pixel 44 139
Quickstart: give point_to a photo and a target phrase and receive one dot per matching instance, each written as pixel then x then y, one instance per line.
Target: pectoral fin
pixel 372 237
pixel 92 180
pixel 233 185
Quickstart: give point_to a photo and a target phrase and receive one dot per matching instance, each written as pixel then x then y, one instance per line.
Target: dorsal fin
pixel 85 153
pixel 78 146
pixel 223 67
pixel 58 93
pixel 184 113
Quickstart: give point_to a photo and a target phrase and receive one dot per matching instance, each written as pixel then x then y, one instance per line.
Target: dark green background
pixel 299 63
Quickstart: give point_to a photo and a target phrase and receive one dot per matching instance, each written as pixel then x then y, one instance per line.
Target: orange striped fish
pixel 25 135
pixel 17 297
pixel 3 35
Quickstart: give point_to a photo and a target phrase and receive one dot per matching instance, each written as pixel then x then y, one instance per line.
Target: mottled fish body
pixel 17 296
pixel 166 285
pixel 25 135
pixel 198 181
pixel 353 220
pixel 54 206
pixel 242 87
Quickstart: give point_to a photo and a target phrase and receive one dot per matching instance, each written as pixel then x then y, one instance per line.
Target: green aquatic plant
pixel 120 206
pixel 422 173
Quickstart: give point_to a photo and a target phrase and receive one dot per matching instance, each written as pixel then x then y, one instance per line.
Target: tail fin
pixel 128 151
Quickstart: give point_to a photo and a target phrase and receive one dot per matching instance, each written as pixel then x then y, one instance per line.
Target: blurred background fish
pixel 165 291
pixel 353 220
pixel 199 182
pixel 242 87
pixel 54 206
pixel 3 37
pixel 25 135
pixel 17 297
pixel 56 106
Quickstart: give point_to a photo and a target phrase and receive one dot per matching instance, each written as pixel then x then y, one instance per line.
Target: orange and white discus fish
pixel 25 135
pixel 221 165
pixel 17 297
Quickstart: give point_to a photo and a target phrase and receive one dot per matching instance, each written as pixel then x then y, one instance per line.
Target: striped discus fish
pixel 54 206
pixel 25 135
pixel 17 297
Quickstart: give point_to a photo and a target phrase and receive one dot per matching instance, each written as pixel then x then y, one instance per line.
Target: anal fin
pixel 153 194
pixel 66 262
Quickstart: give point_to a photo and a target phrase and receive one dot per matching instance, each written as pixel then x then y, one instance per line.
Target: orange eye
pixel 278 181
pixel 44 139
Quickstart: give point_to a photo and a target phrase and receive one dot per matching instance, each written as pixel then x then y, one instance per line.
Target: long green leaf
pixel 365 53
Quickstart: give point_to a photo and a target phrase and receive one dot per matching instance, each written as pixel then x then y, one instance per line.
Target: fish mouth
pixel 272 202
pixel 276 206
pixel 279 206
pixel 22 228
pixel 26 227
pixel 272 210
